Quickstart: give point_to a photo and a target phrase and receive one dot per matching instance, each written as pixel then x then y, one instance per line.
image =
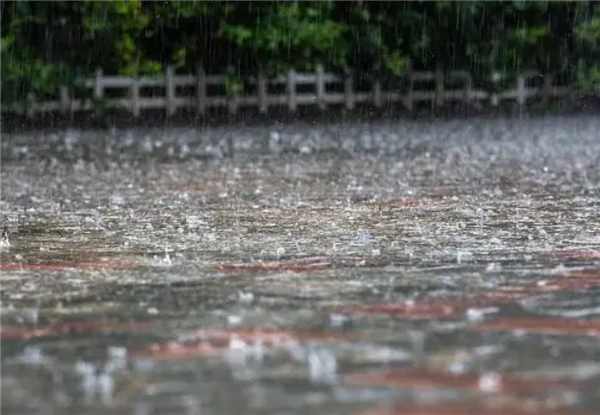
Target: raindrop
pixel 280 252
pixel 463 256
pixel 106 386
pixel 490 382
pixel 475 314
pixel 32 355
pixel 245 297
pixel 233 320
pixel 117 358
pixel 322 366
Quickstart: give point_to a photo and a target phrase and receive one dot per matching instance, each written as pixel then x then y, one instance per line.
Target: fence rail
pixel 324 89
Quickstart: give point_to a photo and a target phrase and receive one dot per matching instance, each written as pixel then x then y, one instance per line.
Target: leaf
pixel 6 43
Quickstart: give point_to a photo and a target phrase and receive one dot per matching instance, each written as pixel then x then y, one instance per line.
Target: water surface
pixel 383 267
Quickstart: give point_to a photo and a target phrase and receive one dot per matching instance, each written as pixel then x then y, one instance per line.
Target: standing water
pixel 358 268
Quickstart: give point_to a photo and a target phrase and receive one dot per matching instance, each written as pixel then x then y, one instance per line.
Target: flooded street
pixel 392 267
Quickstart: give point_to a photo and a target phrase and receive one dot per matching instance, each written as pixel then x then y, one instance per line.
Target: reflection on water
pixel 344 268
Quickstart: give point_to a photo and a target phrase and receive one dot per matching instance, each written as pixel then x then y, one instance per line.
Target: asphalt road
pixel 377 268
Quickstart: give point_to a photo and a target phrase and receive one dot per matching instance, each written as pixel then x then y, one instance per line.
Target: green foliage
pixel 589 31
pixel 588 79
pixel 588 71
pixel 289 34
pixel 375 46
pixel 25 66
pixel 45 44
pixel 123 23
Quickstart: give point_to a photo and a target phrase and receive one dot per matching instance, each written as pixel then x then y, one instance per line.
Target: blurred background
pixel 46 44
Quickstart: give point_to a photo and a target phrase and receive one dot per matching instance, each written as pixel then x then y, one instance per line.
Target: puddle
pixel 457 277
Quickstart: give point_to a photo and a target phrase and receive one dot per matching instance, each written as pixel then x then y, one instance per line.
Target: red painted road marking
pixel 65 266
pixel 466 409
pixel 443 308
pixel 66 329
pixel 207 341
pixel 591 275
pixel 430 309
pixel 544 325
pixel 583 255
pixel 430 379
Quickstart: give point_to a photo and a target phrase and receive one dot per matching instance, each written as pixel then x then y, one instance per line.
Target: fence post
pixel 232 102
pixel 547 91
pixel 262 93
pixel 468 89
pixel 408 96
pixel 64 99
pixel 321 87
pixel 521 94
pixel 170 90
pixel 30 106
pixel 377 101
pixel 349 90
pixel 291 90
pixel 231 90
pixel 200 90
pixel 134 98
pixel 439 88
pixel 494 99
pixel 98 85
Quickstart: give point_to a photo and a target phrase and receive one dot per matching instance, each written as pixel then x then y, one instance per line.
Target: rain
pixel 370 208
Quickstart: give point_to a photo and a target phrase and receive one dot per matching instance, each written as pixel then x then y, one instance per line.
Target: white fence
pixel 325 88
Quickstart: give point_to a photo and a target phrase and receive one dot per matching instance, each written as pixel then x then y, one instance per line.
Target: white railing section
pixel 326 89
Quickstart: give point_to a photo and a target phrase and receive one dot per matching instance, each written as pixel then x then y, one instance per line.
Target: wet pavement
pixel 360 268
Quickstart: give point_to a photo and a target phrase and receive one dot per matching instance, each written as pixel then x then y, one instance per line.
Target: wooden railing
pixel 325 89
